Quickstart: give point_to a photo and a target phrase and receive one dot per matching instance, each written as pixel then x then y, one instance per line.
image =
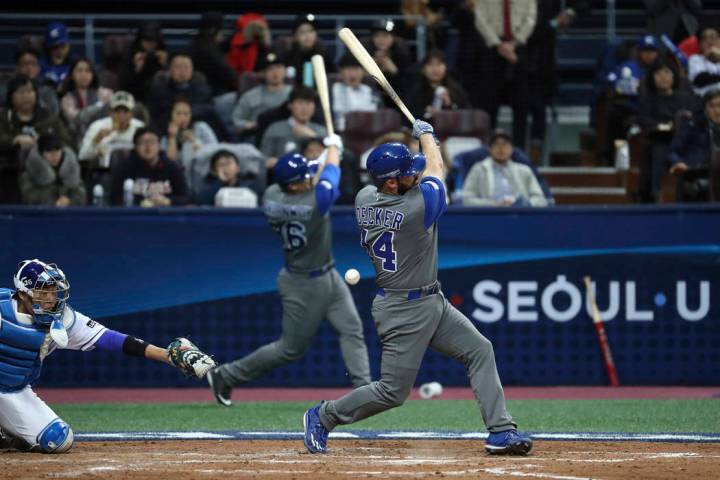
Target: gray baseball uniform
pixel 309 286
pixel 410 311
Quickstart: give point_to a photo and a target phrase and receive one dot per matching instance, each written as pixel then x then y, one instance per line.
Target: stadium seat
pixel 362 128
pixel 461 123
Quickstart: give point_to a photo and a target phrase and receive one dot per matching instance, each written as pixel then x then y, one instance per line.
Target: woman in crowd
pixel 435 90
pixel 146 57
pixel 185 137
pixel 83 100
pixel 305 44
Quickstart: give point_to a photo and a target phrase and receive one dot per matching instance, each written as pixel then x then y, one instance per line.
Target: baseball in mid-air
pixel 352 276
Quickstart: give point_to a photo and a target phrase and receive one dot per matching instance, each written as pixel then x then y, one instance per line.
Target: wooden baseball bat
pixel 322 87
pixel 362 56
pixel 602 336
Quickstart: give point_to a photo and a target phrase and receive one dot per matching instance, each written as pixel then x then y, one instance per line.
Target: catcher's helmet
pixel 291 168
pixel 393 160
pixel 33 276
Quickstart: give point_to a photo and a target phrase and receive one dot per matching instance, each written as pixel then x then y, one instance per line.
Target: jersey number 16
pixel 382 248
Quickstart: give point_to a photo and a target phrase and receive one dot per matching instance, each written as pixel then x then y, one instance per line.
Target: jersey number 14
pixel 382 248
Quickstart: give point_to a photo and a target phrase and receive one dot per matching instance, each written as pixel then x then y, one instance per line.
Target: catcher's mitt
pixel 189 358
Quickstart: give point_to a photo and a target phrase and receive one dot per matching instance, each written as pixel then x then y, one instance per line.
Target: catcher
pixel 36 319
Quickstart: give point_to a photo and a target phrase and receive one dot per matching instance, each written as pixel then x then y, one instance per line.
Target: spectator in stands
pixel 435 31
pixel 83 100
pixel 146 57
pixel 350 94
pixel 158 181
pixel 208 56
pixel 52 175
pixel 271 94
pixel 469 46
pixel 498 181
pixel 225 171
pixel 435 90
pixel 305 44
pixel 692 149
pixel 249 44
pixel 674 18
pixel 552 15
pixel 23 120
pixel 505 26
pixel 117 129
pixel 27 63
pixel 180 80
pixel 660 103
pixel 283 136
pixel 624 89
pixel 704 68
pixel 184 136
pixel 389 52
pixel 56 64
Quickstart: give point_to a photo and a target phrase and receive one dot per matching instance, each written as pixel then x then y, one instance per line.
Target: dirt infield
pixel 210 459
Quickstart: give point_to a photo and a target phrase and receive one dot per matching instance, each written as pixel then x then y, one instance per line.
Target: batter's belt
pixel 412 294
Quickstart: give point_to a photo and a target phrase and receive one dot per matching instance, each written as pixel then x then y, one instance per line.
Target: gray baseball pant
pixel 406 328
pixel 306 301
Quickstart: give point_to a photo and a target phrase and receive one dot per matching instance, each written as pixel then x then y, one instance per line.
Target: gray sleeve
pixel 204 134
pixel 269 143
pixel 241 112
pixel 537 198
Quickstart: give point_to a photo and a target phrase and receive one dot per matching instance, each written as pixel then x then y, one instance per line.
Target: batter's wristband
pixel 134 347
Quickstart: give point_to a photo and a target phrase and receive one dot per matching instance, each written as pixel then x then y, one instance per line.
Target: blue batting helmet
pixel 393 160
pixel 33 276
pixel 291 168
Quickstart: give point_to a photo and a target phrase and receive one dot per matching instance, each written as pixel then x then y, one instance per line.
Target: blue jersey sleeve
pixel 433 191
pixel 327 190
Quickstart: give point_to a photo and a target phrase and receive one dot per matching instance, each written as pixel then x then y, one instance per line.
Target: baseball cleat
pixel 316 434
pixel 509 442
pixel 221 391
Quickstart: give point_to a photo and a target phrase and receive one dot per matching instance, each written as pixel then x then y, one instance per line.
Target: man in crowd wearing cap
pixel 157 180
pixel 116 129
pixel 56 65
pixel 52 175
pixel 350 94
pixel 498 181
pixel 284 136
pixel 271 94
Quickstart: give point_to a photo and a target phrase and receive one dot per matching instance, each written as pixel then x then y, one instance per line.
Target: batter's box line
pixel 399 435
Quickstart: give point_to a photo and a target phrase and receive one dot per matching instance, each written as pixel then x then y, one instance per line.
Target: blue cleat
pixel 509 442
pixel 316 434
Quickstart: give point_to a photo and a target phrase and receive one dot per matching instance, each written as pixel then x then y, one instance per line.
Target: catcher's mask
pixel 47 287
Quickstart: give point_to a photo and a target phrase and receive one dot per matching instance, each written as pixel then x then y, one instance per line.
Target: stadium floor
pixel 184 395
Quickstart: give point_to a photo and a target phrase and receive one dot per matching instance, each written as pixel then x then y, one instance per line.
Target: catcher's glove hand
pixel 189 358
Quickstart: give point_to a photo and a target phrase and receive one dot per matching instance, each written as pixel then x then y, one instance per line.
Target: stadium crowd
pixel 151 128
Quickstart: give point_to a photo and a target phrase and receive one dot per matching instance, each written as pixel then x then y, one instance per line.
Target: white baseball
pixel 430 390
pixel 352 276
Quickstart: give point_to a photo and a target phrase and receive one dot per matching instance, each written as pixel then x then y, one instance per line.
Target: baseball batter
pixel 309 285
pixel 35 320
pixel 397 220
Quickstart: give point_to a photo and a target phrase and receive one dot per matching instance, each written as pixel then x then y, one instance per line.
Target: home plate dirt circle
pixel 287 459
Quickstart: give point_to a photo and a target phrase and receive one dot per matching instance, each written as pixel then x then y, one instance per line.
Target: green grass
pixel 460 415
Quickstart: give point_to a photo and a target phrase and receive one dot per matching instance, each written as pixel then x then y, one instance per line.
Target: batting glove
pixel 333 140
pixel 421 127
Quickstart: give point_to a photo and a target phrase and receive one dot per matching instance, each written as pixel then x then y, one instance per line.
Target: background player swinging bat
pixel 362 56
